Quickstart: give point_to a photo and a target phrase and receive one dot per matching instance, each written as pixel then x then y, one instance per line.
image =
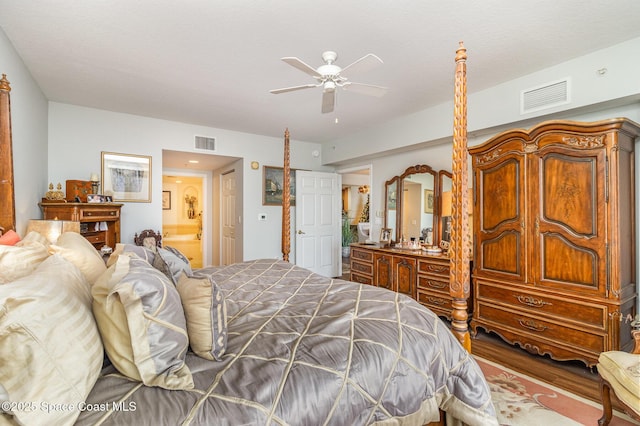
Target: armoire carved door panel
pixel 501 222
pixel 569 226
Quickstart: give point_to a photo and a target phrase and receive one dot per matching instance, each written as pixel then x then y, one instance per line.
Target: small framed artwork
pixel 272 184
pixel 95 198
pixel 127 177
pixel 166 200
pixel 385 236
pixel 428 201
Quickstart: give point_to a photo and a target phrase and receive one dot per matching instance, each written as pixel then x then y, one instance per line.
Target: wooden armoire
pixel 555 237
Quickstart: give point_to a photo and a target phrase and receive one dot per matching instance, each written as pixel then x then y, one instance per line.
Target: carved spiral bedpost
pixel 7 195
pixel 286 201
pixel 459 248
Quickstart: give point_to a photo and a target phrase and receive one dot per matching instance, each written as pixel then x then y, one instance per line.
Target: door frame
pixel 206 203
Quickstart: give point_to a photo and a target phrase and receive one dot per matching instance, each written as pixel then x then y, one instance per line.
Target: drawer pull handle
pixel 531 325
pixel 433 268
pixel 437 284
pixel 436 301
pixel 532 301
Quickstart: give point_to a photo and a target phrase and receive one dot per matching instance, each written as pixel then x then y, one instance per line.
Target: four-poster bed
pixel 283 345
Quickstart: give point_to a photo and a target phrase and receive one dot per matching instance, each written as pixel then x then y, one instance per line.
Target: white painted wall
pixel 77 135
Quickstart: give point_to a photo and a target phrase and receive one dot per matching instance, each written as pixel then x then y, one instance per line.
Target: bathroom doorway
pixel 206 167
pixel 182 215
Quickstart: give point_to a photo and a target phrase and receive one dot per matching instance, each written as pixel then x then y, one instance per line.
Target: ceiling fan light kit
pixel 329 77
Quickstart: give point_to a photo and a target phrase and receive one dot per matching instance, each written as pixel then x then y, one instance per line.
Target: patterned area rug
pixel 524 401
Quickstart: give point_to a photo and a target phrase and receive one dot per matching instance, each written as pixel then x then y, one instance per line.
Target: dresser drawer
pixel 435 300
pixel 582 313
pixel 99 214
pixel 540 328
pixel 99 237
pixel 362 268
pixel 364 255
pixel 434 268
pixel 362 279
pixel 429 283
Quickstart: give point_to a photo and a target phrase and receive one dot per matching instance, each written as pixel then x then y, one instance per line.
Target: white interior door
pixel 228 208
pixel 318 205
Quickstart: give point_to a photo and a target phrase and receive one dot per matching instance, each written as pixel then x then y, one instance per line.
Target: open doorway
pixel 182 215
pixel 356 196
pixel 194 169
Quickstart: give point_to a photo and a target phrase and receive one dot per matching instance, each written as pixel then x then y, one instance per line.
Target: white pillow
pixel 50 348
pixel 142 323
pixel 79 251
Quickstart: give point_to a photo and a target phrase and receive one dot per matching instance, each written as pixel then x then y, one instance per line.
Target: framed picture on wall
pixel 272 183
pixel 428 201
pixel 166 200
pixel 127 177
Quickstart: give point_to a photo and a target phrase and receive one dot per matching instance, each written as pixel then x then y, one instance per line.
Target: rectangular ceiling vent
pixel 205 144
pixel 545 96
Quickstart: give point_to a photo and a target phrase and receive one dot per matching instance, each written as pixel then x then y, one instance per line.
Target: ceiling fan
pixel 329 77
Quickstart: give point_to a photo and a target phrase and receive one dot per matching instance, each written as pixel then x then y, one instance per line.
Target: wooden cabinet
pixel 421 276
pixel 99 222
pixel 554 252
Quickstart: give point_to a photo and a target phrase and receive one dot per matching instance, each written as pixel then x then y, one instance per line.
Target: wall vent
pixel 205 144
pixel 545 96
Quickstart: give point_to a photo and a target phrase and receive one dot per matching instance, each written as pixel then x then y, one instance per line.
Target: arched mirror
pixel 411 205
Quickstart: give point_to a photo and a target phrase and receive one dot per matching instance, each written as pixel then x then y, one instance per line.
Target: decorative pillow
pixel 79 251
pixel 20 260
pixel 206 313
pixel 140 251
pixel 50 348
pixel 177 263
pixel 142 323
pixel 9 238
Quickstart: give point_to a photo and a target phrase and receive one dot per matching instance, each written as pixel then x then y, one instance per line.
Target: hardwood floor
pixel 572 376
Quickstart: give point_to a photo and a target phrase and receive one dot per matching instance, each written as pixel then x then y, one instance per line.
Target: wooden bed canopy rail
pixel 459 287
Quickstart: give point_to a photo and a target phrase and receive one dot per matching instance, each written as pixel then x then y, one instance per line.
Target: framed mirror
pixel 418 187
pixel 391 207
pixel 418 205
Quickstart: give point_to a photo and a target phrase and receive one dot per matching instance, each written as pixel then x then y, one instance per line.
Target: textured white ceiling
pixel 213 62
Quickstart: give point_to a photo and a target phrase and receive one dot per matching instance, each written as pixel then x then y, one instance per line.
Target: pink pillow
pixel 9 238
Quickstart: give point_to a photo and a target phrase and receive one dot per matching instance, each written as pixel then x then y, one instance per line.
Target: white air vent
pixel 205 144
pixel 545 96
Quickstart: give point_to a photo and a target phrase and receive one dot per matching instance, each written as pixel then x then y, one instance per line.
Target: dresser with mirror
pixel 416 218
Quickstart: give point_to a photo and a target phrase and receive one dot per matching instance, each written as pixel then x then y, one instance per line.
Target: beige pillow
pixel 142 323
pixel 206 313
pixel 79 251
pixel 21 259
pixel 50 348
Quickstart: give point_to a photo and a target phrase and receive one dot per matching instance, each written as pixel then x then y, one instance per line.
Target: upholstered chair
pixel 620 373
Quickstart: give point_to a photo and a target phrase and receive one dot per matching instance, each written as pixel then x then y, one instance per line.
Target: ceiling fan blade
pixel 291 89
pixel 364 64
pixel 297 63
pixel 365 89
pixel 328 101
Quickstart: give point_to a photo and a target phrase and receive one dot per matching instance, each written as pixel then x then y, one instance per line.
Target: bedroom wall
pixel 77 135
pixel 29 130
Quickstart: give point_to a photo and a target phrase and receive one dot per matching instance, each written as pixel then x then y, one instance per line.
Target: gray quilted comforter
pixel 308 350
